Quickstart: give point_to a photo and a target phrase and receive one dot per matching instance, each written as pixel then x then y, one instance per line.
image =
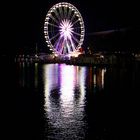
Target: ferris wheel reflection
pixel 65 82
pixel 64 88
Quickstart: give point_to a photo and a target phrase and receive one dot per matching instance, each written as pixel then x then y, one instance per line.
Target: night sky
pixel 22 27
pixel 22 21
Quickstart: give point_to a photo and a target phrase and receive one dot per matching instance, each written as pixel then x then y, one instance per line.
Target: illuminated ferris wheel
pixel 64 29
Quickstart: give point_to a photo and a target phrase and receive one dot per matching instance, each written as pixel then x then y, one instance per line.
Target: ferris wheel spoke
pixel 75 39
pixel 68 46
pixel 75 22
pixel 57 43
pixel 54 19
pixel 52 31
pixel 77 27
pixel 72 45
pixel 53 25
pixel 76 33
pixel 65 47
pixel 54 36
pixel 65 12
pixel 62 47
pixel 60 12
pixel 57 15
pixel 69 13
pixel 73 16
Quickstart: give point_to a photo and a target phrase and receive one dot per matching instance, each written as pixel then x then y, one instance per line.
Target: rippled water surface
pixel 59 101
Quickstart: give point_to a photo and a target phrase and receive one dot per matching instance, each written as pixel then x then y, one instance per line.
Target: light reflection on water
pixel 65 100
pixel 60 101
pixel 67 90
pixel 28 74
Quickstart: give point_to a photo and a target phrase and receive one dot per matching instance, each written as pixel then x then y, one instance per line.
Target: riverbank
pixel 116 59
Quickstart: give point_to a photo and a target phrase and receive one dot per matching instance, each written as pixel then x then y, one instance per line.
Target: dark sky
pixel 22 21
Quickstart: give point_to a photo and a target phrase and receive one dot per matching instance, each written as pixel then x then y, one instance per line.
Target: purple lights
pixel 64 29
pixel 65 43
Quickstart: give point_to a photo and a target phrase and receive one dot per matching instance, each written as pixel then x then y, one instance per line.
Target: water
pixel 59 101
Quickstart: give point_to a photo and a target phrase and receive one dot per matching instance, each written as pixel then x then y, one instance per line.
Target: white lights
pixel 66 29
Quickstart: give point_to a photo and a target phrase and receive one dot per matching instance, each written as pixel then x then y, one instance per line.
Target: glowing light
pixel 103 75
pixel 75 54
pixel 67 87
pixel 82 80
pixel 49 82
pixel 66 29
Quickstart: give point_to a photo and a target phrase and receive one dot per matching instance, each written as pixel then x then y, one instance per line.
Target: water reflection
pixel 96 78
pixel 65 100
pixel 67 91
pixel 81 102
pixel 28 74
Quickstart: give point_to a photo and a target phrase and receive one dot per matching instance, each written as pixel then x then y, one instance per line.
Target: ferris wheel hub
pixel 66 29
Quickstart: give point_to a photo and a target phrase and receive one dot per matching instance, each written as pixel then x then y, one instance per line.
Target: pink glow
pixel 66 29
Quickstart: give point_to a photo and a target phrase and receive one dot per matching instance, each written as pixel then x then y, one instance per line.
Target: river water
pixel 66 102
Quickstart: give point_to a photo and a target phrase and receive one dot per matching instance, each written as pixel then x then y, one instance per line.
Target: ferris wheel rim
pixel 49 15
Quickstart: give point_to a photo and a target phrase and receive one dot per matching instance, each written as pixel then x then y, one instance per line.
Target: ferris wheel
pixel 64 29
